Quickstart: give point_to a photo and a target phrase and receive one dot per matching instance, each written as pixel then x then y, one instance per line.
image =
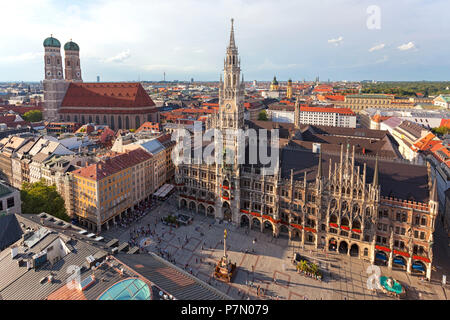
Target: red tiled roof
pixel 378 118
pixel 149 126
pixel 110 166
pixel 425 143
pixel 445 123
pixel 335 97
pixel 347 111
pixel 106 135
pixel 112 95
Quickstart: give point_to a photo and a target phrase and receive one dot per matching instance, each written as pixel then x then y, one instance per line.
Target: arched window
pixel 83 120
pixel 119 122
pixel 112 123
pixel 104 120
pixel 333 204
pixel 344 222
pixel 137 122
pixel 333 218
pixel 76 118
pixel 90 119
pixel 97 120
pixel 127 123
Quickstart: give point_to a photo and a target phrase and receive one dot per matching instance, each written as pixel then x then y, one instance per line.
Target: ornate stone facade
pixel 380 211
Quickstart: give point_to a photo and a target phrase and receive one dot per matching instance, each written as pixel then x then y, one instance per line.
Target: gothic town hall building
pixel 372 208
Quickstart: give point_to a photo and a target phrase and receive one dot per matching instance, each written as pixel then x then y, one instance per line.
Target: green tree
pixel 33 116
pixel 262 116
pixel 38 197
pixel 442 130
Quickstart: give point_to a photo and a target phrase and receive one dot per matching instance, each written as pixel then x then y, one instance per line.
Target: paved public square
pixel 269 267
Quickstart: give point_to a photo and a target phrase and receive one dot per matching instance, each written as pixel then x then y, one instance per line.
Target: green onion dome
pixel 71 46
pixel 52 42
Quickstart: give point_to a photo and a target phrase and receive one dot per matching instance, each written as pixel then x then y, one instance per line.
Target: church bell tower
pixel 231 96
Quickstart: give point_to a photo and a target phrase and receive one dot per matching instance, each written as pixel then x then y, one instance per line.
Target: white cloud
pixel 121 57
pixel 377 47
pixel 337 41
pixel 407 46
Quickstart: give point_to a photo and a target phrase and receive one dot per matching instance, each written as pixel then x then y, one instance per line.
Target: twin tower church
pixel 119 105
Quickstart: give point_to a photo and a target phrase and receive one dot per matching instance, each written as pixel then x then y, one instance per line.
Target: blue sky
pixel 129 40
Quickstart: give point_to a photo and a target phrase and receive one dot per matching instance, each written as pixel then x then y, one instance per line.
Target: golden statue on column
pixel 225 269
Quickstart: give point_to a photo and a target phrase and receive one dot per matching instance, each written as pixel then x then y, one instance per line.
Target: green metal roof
pixel 71 46
pixel 368 96
pixel 52 42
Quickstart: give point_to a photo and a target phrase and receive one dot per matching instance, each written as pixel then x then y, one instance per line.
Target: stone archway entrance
pixel 268 227
pixel 284 231
pixel 419 267
pixel 296 234
pixel 201 209
pixel 354 250
pixel 332 244
pixel 226 210
pixel 183 204
pixel 381 258
pixel 210 212
pixel 245 222
pixel 192 206
pixel 399 262
pixel 343 247
pixel 256 224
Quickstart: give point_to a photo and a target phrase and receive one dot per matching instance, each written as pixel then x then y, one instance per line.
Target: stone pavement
pixel 269 267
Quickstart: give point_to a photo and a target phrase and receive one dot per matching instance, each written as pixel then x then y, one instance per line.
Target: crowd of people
pixel 135 215
pixel 137 234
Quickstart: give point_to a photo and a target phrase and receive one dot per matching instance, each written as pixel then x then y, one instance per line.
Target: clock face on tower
pixel 228 106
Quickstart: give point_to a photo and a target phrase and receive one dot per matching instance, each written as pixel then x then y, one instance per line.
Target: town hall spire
pixel 232 43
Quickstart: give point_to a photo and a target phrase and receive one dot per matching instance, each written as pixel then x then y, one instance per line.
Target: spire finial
pixel 375 174
pixel 319 169
pixel 232 44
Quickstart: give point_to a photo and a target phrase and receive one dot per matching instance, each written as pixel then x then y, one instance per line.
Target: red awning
pixel 310 229
pixel 402 253
pixel 296 226
pixel 424 259
pixel 334 225
pixel 382 248
pixel 356 230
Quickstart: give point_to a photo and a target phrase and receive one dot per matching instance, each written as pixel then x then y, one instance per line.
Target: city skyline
pixel 300 40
